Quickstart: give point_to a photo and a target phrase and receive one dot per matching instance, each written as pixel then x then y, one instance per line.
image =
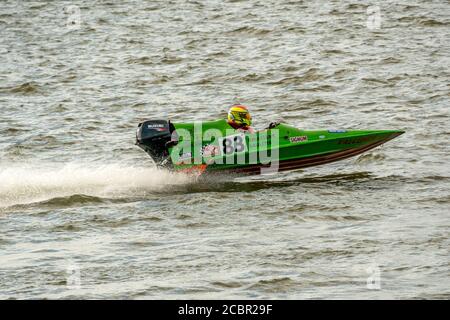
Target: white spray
pixel 23 184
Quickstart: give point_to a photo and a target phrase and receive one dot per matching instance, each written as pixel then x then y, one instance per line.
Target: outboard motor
pixel 152 136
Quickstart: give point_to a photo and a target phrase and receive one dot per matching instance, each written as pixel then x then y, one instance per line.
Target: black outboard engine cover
pixel 152 136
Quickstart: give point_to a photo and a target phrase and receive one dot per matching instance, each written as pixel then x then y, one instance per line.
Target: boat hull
pixel 320 159
pixel 278 148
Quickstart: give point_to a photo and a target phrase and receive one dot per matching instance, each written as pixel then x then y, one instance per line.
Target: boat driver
pixel 239 118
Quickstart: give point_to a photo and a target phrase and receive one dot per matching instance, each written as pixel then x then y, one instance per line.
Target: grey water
pixel 84 214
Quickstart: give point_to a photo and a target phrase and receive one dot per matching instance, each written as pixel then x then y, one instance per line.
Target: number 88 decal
pixel 233 144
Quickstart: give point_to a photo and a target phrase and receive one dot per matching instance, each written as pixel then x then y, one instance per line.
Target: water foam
pixel 24 184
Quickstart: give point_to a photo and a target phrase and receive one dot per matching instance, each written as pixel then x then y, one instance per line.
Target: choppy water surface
pixel 84 214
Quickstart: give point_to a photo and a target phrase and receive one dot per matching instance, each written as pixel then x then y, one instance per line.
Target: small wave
pixel 433 178
pixel 160 79
pixel 370 157
pixel 75 183
pixel 321 88
pixel 251 77
pixel 274 284
pixel 282 280
pixel 354 6
pixel 374 80
pixel 25 88
pixel 250 30
pixel 66 227
pixel 227 284
pixel 431 23
pixel 390 60
pixel 170 60
pixel 13 131
pixel 423 21
pixel 310 75
pixel 434 296
pixel 146 61
pixel 71 200
pixel 330 52
pixel 61 202
pixel 440 200
pixel 320 103
pixel 328 217
pixel 194 225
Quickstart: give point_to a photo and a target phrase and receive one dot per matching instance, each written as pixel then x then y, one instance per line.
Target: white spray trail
pixel 22 184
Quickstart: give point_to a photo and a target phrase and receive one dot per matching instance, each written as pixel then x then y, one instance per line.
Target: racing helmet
pixel 239 116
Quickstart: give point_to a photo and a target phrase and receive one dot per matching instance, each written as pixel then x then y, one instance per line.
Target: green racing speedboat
pixel 214 146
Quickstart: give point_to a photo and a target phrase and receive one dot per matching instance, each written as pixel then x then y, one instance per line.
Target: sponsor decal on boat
pixel 233 144
pixel 322 137
pixel 156 126
pixel 185 156
pixel 298 139
pixel 196 170
pixel 355 140
pixel 210 150
pixel 337 131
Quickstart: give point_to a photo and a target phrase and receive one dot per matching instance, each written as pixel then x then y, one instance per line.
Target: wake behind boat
pixel 214 146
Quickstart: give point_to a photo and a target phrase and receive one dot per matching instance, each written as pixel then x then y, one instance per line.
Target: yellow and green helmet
pixel 239 116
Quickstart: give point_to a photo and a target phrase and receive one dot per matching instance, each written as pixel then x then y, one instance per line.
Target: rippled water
pixel 84 214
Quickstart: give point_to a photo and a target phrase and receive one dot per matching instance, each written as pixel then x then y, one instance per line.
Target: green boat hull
pixel 282 147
